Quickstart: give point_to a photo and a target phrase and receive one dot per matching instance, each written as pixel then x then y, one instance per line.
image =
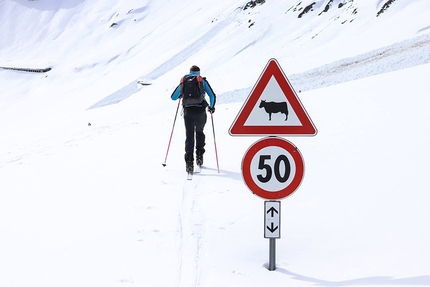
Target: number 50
pixel 276 168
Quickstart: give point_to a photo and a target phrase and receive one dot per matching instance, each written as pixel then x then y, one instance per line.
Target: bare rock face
pixel 385 7
pixel 251 4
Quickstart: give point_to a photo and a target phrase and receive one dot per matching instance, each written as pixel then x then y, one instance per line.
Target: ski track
pixel 191 235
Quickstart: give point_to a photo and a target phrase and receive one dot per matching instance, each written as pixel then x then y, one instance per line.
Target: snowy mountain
pixel 85 200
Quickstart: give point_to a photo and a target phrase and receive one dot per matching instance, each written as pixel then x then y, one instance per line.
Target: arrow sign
pixel 272 226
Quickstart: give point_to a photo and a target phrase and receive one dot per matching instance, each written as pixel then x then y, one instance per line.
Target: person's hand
pixel 211 110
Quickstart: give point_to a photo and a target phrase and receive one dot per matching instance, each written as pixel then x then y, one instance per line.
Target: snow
pixel 85 200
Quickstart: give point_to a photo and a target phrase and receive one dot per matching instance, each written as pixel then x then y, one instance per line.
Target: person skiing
pixel 192 89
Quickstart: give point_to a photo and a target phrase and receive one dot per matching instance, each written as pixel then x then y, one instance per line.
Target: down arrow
pixel 272 228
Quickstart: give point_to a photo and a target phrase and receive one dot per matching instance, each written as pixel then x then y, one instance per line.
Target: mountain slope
pixel 85 201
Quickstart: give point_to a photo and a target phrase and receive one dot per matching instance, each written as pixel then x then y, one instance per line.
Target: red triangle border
pixel 273 69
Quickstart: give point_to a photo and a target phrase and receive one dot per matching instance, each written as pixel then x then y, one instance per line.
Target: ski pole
pixel 216 153
pixel 171 134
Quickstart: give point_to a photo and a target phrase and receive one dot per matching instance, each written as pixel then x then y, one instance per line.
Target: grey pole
pixel 272 254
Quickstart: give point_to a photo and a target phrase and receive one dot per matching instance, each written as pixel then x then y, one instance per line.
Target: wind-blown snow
pixel 85 201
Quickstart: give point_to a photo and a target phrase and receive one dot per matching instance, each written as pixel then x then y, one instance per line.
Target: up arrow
pixel 272 228
pixel 272 211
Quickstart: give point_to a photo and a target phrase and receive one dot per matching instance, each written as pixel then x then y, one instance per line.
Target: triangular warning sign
pixel 272 108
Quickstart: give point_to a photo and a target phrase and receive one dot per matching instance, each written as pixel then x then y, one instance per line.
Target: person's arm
pixel 176 93
pixel 210 92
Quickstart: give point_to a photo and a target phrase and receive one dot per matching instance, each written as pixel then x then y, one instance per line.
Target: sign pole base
pixel 272 254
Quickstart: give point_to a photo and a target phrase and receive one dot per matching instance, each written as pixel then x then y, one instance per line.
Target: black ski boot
pixel 189 163
pixel 199 158
pixel 189 166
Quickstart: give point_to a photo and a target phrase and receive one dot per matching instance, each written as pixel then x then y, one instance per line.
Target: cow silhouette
pixel 274 107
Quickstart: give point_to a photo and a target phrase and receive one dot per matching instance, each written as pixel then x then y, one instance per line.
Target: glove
pixel 211 110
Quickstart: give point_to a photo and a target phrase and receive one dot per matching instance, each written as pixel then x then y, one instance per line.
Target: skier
pixel 192 90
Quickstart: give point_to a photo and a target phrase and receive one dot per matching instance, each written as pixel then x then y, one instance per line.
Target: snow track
pixel 191 236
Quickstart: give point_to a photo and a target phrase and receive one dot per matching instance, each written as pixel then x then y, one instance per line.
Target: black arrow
pixel 272 228
pixel 272 210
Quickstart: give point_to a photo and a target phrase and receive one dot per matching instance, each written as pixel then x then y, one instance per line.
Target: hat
pixel 194 68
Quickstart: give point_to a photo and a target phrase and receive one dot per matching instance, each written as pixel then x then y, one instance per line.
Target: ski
pixel 198 169
pixel 189 176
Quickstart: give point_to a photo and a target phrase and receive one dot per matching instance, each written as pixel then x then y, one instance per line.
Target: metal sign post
pixel 272 254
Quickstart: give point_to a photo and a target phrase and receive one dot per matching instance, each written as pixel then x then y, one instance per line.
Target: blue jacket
pixel 207 88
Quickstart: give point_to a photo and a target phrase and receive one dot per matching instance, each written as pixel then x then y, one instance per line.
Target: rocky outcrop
pixel 307 9
pixel 384 7
pixel 251 4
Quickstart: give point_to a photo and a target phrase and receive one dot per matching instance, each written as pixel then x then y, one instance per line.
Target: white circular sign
pixel 272 168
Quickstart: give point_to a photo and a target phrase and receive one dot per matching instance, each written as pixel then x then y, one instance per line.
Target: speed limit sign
pixel 272 168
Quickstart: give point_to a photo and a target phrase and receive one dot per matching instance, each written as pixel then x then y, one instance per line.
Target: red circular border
pixel 263 143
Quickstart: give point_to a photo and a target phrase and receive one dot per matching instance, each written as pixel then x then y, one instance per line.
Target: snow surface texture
pixel 85 201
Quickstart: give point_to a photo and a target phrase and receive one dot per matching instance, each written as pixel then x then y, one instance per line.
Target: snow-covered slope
pixel 77 39
pixel 84 199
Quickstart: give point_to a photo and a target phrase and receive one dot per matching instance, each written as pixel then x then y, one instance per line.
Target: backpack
pixel 192 90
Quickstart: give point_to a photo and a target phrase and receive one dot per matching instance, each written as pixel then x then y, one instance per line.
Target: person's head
pixel 195 69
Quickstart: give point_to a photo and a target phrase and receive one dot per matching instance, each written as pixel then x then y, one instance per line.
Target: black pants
pixel 194 125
